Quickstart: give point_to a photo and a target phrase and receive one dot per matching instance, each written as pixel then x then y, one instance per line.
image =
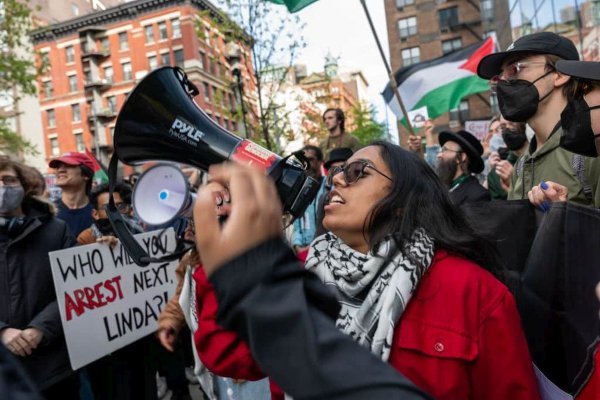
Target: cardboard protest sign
pixel 477 128
pixel 418 117
pixel 106 301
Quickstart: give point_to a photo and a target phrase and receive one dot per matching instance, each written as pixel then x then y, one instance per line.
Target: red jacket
pixel 591 391
pixel 459 338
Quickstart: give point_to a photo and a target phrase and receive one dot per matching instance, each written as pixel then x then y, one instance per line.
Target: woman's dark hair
pixel 417 199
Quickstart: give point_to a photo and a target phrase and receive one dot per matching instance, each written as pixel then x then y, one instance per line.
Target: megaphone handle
pixel 134 249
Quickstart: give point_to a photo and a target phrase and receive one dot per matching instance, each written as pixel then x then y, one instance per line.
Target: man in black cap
pixel 531 89
pixel 458 159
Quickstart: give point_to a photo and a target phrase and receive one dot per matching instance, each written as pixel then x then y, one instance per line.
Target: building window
pixel 218 69
pixel 407 27
pixel 45 59
pixel 461 113
pixel 162 31
pixel 123 42
pixel 404 3
pixel 411 56
pixel 79 141
pixel 112 103
pixel 206 92
pixel 152 62
pixel 76 113
pixel 72 83
pixel 448 17
pixel 47 89
pixel 448 46
pixel 104 43
pixel 213 67
pixel 70 53
pixel 176 28
pixel 165 59
pixel 149 30
pixel 109 74
pixel 75 9
pixel 87 75
pixel 127 74
pixel 487 10
pixel 54 149
pixel 203 60
pixel 51 118
pixel 178 55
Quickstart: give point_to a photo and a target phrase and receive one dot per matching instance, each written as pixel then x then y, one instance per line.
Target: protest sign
pixel 418 117
pixel 106 301
pixel 477 128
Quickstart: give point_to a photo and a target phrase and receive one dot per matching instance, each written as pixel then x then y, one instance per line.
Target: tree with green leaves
pixel 366 128
pixel 18 72
pixel 275 39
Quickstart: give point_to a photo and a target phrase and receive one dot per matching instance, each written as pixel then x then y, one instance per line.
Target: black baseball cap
pixel 469 144
pixel 339 154
pixel 537 43
pixel 580 69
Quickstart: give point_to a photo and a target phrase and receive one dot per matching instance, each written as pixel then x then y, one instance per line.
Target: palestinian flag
pixel 293 5
pixel 441 83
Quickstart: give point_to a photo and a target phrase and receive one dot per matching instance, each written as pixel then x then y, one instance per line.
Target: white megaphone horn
pixel 162 193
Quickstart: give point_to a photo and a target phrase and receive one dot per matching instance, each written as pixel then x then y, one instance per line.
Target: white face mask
pixel 10 198
pixel 496 142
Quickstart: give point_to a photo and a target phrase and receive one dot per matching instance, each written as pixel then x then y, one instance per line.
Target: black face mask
pixel 104 226
pixel 578 136
pixel 514 138
pixel 518 100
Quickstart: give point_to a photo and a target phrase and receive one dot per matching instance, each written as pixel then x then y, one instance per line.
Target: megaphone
pixel 160 121
pixel 162 193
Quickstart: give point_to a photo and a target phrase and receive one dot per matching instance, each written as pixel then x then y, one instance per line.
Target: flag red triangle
pixel 486 48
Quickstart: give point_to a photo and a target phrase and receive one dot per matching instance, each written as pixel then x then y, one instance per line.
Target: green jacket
pixel 344 140
pixel 550 162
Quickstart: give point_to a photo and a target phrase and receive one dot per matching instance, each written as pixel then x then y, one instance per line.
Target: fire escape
pixel 94 50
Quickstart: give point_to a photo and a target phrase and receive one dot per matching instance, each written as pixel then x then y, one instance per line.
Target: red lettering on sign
pixel 97 296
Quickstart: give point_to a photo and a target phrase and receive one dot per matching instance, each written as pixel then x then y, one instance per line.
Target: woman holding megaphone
pixel 403 261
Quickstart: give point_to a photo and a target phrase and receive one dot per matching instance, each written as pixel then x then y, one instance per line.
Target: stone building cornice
pixel 123 12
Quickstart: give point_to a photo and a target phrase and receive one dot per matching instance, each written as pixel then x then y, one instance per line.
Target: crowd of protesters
pixel 413 281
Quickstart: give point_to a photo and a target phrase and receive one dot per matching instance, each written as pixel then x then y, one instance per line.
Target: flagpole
pixel 389 71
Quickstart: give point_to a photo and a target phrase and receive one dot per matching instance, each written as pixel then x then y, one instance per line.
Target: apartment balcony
pixel 97 83
pixel 103 113
pixel 94 53
pixel 91 29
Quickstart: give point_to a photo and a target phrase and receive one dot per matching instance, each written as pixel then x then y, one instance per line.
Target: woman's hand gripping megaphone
pixel 255 215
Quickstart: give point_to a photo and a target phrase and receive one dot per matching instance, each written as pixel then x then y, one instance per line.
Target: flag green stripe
pixel 293 5
pixel 444 98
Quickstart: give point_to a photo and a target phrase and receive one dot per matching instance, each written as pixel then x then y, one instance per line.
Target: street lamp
pixel 234 56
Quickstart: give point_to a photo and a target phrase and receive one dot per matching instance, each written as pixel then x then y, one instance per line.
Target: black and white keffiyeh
pixel 374 289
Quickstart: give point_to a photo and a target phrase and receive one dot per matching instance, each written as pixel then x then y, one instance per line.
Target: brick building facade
pixel 96 60
pixel 420 30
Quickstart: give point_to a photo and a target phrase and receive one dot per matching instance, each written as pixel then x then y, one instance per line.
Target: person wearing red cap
pixel 74 173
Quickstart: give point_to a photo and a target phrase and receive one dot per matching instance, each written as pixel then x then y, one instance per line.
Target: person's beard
pixel 446 170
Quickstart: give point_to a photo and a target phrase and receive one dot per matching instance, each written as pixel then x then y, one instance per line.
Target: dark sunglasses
pixel 123 208
pixel 353 172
